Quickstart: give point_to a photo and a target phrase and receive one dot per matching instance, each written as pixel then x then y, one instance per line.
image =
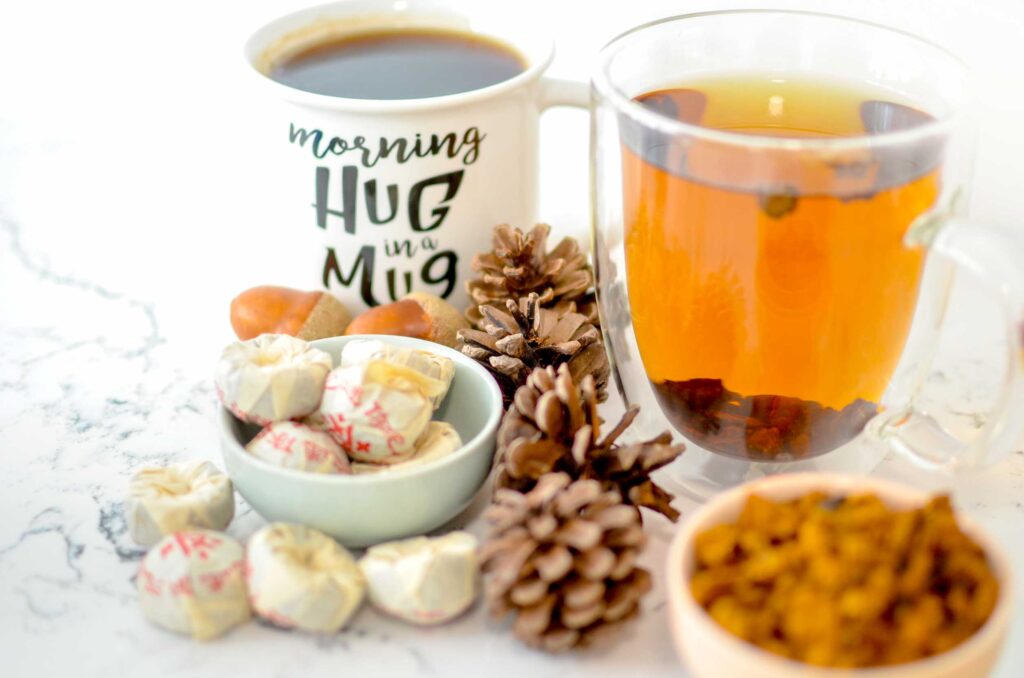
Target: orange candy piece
pixel 281 310
pixel 419 315
pixel 404 318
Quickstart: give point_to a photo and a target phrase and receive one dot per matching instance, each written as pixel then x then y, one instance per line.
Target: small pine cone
pixel 554 426
pixel 562 558
pixel 512 344
pixel 519 263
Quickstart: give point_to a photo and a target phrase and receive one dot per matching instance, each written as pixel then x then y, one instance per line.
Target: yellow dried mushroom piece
pixel 844 582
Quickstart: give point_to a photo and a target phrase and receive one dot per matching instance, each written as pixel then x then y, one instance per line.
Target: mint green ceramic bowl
pixel 367 509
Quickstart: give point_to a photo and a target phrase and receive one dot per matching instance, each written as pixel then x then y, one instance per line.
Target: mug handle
pixel 557 92
pixel 994 255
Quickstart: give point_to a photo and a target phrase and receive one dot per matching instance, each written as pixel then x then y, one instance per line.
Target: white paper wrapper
pixel 438 441
pixel 289 444
pixel 271 378
pixel 193 582
pixel 190 494
pixel 362 351
pixel 423 580
pixel 376 411
pixel 301 578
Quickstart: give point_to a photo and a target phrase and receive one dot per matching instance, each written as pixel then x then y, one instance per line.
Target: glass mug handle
pixel 994 255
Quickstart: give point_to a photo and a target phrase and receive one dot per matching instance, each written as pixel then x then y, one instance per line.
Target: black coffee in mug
pixel 399 64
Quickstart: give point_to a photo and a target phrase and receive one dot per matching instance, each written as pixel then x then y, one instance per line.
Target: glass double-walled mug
pixel 778 201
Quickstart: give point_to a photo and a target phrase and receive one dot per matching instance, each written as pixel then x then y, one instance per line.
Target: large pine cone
pixel 562 558
pixel 519 263
pixel 554 426
pixel 512 344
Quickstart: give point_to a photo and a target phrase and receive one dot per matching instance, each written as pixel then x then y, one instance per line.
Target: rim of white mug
pixel 538 52
pixel 623 103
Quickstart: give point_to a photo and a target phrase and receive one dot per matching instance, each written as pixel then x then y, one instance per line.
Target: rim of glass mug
pixel 606 87
pixel 535 48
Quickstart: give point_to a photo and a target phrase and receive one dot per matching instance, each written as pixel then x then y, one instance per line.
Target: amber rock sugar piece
pixel 519 263
pixel 512 342
pixel 419 315
pixel 844 582
pixel 281 310
pixel 553 425
pixel 562 559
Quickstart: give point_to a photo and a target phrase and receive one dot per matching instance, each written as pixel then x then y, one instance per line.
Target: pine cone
pixel 519 263
pixel 512 344
pixel 562 559
pixel 554 426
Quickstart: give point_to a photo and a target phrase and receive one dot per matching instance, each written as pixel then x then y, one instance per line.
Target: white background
pixel 133 171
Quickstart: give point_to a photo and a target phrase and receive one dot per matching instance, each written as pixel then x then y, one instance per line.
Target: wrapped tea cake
pixel 438 441
pixel 362 351
pixel 300 447
pixel 193 582
pixel 423 580
pixel 271 378
pixel 301 578
pixel 190 494
pixel 377 411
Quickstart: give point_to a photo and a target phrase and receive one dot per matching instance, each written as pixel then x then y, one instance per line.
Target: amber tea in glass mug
pixel 768 186
pixel 789 356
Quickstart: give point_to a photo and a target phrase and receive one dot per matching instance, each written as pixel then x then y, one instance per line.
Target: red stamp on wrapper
pixel 378 418
pixel 189 542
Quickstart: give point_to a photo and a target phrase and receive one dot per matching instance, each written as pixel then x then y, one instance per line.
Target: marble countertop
pixel 130 214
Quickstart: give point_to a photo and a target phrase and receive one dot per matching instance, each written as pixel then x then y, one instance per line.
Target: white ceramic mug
pixel 394 196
